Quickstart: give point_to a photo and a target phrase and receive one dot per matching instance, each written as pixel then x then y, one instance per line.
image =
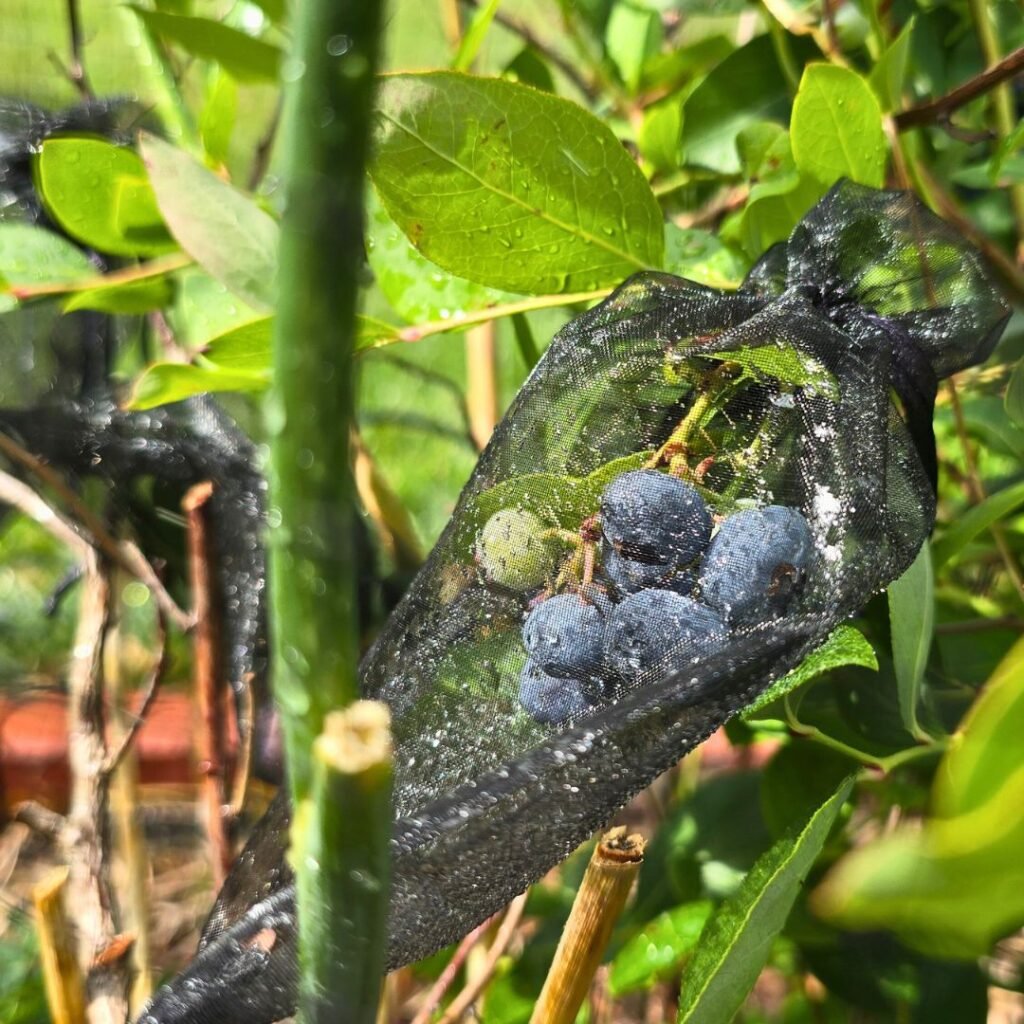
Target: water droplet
pixel 505 242
pixel 292 69
pixel 337 45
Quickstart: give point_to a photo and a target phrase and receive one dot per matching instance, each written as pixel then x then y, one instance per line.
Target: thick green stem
pixel 312 584
pixel 346 829
pixel 342 884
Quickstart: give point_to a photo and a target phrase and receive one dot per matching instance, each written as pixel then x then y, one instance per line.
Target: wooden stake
pixel 65 994
pixel 599 902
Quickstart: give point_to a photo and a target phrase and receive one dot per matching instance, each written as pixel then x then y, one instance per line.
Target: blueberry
pixel 629 576
pixel 660 628
pixel 755 562
pixel 564 636
pixel 550 700
pixel 655 517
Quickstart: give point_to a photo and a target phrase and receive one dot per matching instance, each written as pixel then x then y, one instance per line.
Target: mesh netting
pixel 690 491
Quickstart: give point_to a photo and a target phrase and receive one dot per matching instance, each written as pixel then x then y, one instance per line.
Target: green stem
pixel 346 825
pixel 330 74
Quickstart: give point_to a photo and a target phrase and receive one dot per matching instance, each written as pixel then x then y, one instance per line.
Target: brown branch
pixel 938 110
pixel 447 976
pixel 208 677
pixel 123 552
pixel 150 691
pixel 469 995
pixel 76 71
pixel 519 28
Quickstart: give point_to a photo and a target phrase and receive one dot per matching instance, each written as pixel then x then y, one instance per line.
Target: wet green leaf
pixel 785 364
pixel 243 57
pixel 912 626
pixel 224 231
pixel 99 194
pixel 735 944
pixel 507 186
pixel 659 949
pixel 845 646
pixel 35 256
pixel 417 289
pixel 836 127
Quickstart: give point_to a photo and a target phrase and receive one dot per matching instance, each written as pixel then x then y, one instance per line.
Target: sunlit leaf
pixel 223 230
pixel 99 193
pixel 836 127
pixel 510 187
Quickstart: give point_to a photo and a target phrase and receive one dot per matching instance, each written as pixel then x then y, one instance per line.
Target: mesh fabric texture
pixel 811 388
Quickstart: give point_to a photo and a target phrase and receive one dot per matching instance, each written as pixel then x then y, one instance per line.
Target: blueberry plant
pixel 859 858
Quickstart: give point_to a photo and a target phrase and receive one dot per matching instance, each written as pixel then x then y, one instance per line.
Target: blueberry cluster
pixel 672 592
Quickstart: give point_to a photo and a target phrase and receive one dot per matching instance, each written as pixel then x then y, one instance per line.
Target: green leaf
pixel 836 127
pixel 633 34
pixel 659 949
pixel 969 524
pixel 244 58
pixel 784 363
pixel 845 646
pixel 953 887
pixel 737 940
pixel 986 749
pixel 1013 403
pixel 246 347
pixel 162 383
pixel 473 37
pixel 702 257
pixel 99 194
pixel 756 144
pixel 510 187
pixel 129 298
pixel 774 208
pixel 529 68
pixel 746 87
pixel 659 135
pixel 218 118
pixel 887 76
pixel 417 289
pixel 35 256
pixel 912 624
pixel 224 231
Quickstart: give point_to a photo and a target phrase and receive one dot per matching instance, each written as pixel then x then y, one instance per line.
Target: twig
pixel 76 71
pixel 150 691
pixel 65 995
pixel 40 819
pixel 469 995
pixel 86 838
pixel 261 156
pixel 426 374
pixel 208 682
pixel 448 975
pixel 527 35
pixel 124 552
pixel 601 897
pixel 481 383
pixel 939 109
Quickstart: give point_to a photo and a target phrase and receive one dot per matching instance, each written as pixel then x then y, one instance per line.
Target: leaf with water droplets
pixel 510 187
pixel 98 193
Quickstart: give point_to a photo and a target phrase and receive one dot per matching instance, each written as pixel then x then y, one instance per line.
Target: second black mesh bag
pixel 689 493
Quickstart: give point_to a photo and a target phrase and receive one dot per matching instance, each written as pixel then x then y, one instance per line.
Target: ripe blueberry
pixel 630 576
pixel 564 636
pixel 755 562
pixel 655 517
pixel 552 701
pixel 660 628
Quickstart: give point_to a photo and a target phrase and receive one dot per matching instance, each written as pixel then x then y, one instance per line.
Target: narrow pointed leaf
pixel 912 623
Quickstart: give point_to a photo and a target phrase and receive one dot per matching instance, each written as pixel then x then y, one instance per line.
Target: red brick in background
pixel 33 748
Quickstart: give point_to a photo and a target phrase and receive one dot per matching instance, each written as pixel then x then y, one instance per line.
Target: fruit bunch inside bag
pixel 690 491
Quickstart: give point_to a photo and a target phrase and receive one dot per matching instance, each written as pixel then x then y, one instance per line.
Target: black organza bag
pixel 688 494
